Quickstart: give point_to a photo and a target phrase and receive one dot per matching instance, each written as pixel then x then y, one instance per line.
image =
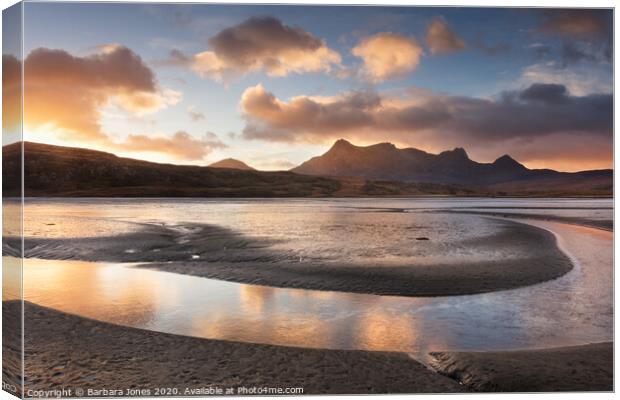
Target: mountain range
pixel 384 161
pixel 345 170
pixel 75 172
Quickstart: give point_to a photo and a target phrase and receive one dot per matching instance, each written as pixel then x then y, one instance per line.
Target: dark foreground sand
pixel 227 255
pixel 67 351
pixel 577 368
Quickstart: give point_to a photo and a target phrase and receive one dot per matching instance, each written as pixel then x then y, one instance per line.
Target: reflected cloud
pixel 254 298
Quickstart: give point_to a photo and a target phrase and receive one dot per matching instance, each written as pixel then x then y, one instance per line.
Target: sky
pixel 276 85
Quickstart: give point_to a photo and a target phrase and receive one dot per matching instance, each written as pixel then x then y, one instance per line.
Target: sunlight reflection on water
pixel 574 309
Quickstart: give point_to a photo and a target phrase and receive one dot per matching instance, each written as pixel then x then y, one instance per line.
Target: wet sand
pixel 66 351
pixel 98 354
pixel 604 224
pixel 227 255
pixel 576 368
pixel 544 261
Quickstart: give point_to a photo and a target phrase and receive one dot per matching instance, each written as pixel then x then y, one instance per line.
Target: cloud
pixel 176 58
pixel 579 79
pixel 64 96
pixel 388 56
pixel 195 115
pixel 68 91
pixel 576 152
pixel 259 44
pixel 115 67
pixel 550 93
pixel 142 103
pixel 572 53
pixel 514 117
pixel 181 146
pixel 586 34
pixel 441 39
pixel 305 115
pixel 577 23
pixel 275 165
pixel 575 52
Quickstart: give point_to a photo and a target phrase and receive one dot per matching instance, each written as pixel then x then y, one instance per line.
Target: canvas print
pixel 221 199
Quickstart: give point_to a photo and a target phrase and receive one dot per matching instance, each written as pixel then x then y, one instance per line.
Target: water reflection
pixel 255 298
pixel 574 309
pixel 11 278
pixel 11 269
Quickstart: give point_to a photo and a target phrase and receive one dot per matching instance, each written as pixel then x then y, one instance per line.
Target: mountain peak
pixel 384 145
pixel 460 151
pixel 506 161
pixel 231 163
pixel 342 143
pixel 386 162
pixel 457 153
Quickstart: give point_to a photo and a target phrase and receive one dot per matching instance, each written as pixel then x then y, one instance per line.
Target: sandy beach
pixel 576 368
pixel 70 351
pixel 65 351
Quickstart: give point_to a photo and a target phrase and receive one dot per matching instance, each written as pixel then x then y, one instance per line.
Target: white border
pixel 475 3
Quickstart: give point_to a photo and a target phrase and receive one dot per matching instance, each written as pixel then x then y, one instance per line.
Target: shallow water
pixel 574 309
pixel 381 231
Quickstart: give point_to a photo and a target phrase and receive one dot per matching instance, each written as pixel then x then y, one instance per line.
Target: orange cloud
pixel 303 118
pixel 388 56
pixel 64 94
pixel 141 103
pixel 184 145
pixel 256 44
pixel 440 38
pixel 68 91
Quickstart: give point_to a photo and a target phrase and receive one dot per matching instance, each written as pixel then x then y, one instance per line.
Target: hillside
pixel 231 163
pixel 384 161
pixel 65 171
pixel 75 172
